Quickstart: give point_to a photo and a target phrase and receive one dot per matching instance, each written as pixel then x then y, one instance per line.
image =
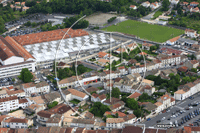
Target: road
pixel 181 105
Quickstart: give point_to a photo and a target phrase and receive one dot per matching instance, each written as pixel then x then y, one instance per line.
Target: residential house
pixel 133 7
pixel 166 101
pixel 33 108
pixel 154 5
pixel 149 106
pixel 2 118
pixel 103 62
pixel 114 122
pixel 78 95
pixel 121 50
pixel 147 82
pixel 18 8
pixel 182 69
pixel 170 51
pixel 191 33
pixel 170 60
pixel 172 41
pixel 23 3
pixel 174 2
pixel 113 101
pixel 148 89
pixel 123 70
pixel 194 3
pixel 55 121
pixel 191 64
pixel 25 8
pixel 184 3
pixel 117 106
pixel 166 72
pixel 43 116
pixel 98 98
pixel 158 63
pixel 3 94
pixel 17 3
pixel 88 115
pixel 197 55
pixel 132 62
pixel 146 4
pixel 81 123
pixel 70 82
pixel 135 95
pixel 51 97
pixel 130 119
pixel 146 46
pixel 17 123
pixel 104 55
pixel 195 47
pixel 43 87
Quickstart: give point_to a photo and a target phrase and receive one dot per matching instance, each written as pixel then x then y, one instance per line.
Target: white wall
pixel 13 60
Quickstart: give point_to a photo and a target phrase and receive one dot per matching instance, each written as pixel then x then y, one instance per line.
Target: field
pixel 99 18
pixel 146 31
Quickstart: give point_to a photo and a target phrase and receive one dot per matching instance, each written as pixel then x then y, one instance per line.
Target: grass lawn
pixel 158 13
pixel 75 101
pixel 144 30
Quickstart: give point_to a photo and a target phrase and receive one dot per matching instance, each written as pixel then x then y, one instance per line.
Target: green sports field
pixel 146 31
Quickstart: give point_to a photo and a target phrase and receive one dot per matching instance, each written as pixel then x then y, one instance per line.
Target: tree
pixel 132 103
pixel 51 105
pixel 13 80
pixel 171 75
pixel 194 70
pixel 179 11
pixel 186 80
pixel 115 92
pixel 98 109
pixel 25 75
pixel 116 115
pixel 165 5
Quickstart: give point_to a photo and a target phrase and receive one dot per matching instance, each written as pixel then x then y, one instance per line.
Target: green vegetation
pixel 146 31
pixel 98 109
pixel 157 14
pixel 111 19
pixel 51 105
pixel 100 88
pixel 25 75
pixel 13 110
pixel 115 92
pixel 194 70
pixel 75 101
pixel 68 72
pixel 146 98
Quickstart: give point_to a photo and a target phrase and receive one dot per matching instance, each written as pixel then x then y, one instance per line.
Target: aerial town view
pixel 100 66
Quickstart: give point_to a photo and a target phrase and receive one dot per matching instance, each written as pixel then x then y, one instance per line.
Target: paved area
pixel 181 105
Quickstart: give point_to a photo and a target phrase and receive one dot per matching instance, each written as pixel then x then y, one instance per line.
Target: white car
pixel 190 107
pixel 163 118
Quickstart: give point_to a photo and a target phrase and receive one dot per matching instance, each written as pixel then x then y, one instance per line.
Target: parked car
pixel 148 119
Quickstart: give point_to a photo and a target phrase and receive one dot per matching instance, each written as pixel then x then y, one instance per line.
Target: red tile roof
pixel 48 36
pixel 134 95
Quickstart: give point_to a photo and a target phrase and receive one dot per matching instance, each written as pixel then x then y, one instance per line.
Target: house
pixel 172 41
pixel 17 122
pixel 114 122
pixel 104 55
pixel 43 87
pixel 92 89
pixel 112 101
pixel 23 3
pixel 142 54
pixel 25 8
pixel 33 108
pixel 51 97
pixel 132 46
pixel 70 82
pixel 170 51
pixel 184 3
pixel 166 101
pixel 135 95
pixel 3 93
pixel 168 71
pixel 121 50
pixel 81 123
pixel 130 119
pixel 149 106
pixel 147 82
pixel 191 64
pixel 60 109
pixel 146 46
pixel 103 62
pixel 17 3
pixel 18 8
pixel 55 121
pixel 174 2
pixel 117 106
pixel 78 95
pixel 146 4
pixel 98 98
pixel 132 62
pixel 12 6
pixel 194 3
pixel 154 5
pixel 197 55
pixel 148 89
pixel 43 116
pixel 195 47
pixel 133 7
pixel 88 115
pixel 169 60
pixel 123 70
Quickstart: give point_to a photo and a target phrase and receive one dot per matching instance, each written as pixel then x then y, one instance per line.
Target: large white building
pixel 13 57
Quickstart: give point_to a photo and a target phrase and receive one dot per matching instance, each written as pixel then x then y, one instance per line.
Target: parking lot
pixel 182 114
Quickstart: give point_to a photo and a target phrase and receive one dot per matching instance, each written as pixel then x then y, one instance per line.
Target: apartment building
pixel 170 60
pixel 9 103
pixel 31 88
pixel 114 122
pixel 17 123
